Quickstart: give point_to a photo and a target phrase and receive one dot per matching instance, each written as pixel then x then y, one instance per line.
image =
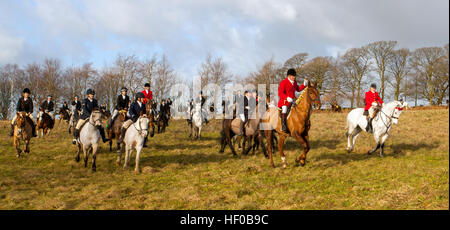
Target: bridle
pixel 390 117
pixel 93 122
pixel 140 130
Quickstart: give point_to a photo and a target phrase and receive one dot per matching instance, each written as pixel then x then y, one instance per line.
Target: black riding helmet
pixel 373 85
pixel 140 95
pixel 291 72
pixel 90 91
pixel 124 89
pixel 26 90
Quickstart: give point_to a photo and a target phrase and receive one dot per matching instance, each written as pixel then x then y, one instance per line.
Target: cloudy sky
pixel 245 33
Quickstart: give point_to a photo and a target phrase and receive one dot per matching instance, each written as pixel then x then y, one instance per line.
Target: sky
pixel 245 33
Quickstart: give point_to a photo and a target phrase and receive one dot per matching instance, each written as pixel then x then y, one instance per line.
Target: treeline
pixel 421 74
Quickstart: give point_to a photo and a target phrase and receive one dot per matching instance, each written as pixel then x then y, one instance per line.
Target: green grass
pixel 179 173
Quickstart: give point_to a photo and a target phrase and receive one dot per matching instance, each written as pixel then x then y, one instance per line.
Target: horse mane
pixel 301 95
pixel 391 105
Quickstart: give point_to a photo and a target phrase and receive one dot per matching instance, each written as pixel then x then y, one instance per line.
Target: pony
pixel 63 115
pixel 74 117
pixel 231 127
pixel 135 138
pixel 23 131
pixel 89 139
pixel 382 124
pixel 197 121
pixel 45 123
pixel 114 131
pixel 298 123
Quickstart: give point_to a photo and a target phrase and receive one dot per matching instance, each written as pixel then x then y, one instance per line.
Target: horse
pixel 89 138
pixel 23 131
pixel 162 121
pixel 135 138
pixel 197 122
pixel 231 127
pixel 150 110
pixel 63 115
pixel 114 131
pixel 298 123
pixel 44 123
pixel 381 123
pixel 74 117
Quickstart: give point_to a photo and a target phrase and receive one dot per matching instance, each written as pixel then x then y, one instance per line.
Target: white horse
pixel 382 123
pixel 134 138
pixel 89 138
pixel 197 121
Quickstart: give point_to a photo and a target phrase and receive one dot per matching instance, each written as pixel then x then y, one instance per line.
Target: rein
pixel 140 130
pixel 389 117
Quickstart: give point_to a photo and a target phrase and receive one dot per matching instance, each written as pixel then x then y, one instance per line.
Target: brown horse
pixel 45 123
pixel 298 123
pixel 63 115
pixel 150 112
pixel 230 127
pixel 114 131
pixel 23 131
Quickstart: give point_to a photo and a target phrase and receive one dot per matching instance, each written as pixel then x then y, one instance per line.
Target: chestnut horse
pixel 23 131
pixel 114 131
pixel 298 124
pixel 44 123
pixel 150 111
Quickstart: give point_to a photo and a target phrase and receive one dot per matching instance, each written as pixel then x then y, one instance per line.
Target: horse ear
pixel 141 113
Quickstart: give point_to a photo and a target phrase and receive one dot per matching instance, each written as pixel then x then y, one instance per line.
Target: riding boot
pixel 12 131
pixel 284 123
pixel 102 133
pixel 76 135
pixel 122 134
pixel 369 128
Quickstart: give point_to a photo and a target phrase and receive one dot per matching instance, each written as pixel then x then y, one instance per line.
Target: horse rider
pixel 163 110
pixel 148 94
pixel 134 112
pixel 286 92
pixel 65 107
pixel 122 103
pixel 25 104
pixel 89 105
pixel 373 104
pixel 202 99
pixel 77 104
pixel 243 114
pixel 48 107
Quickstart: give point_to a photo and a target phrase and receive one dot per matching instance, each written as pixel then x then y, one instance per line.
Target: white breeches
pixel 372 109
pixel 114 115
pixel 127 124
pixel 242 116
pixel 80 123
pixel 284 109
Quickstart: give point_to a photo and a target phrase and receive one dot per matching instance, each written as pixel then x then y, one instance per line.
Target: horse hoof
pixel 77 159
pixel 369 153
pixel 94 170
pixel 284 166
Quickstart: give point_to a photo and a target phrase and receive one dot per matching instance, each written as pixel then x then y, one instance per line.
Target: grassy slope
pixel 179 173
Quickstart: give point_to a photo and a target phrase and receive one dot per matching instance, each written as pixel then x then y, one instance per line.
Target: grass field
pixel 179 173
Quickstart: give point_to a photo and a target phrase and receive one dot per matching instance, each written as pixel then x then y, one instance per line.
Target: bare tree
pixel 296 62
pixel 318 70
pixel 381 52
pixel 398 67
pixel 356 63
pixel 269 73
pixel 10 75
pixel 215 71
pixel 164 78
pixel 425 63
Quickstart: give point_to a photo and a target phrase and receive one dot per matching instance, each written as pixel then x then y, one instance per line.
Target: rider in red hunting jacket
pixel 286 92
pixel 372 100
pixel 147 93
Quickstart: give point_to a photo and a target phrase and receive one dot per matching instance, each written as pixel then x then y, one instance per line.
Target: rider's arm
pixel 281 93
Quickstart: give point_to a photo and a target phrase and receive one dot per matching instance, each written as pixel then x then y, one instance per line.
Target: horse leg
pixel 77 158
pixel 200 133
pixel 269 146
pixel 303 140
pixel 86 152
pixel 27 146
pixel 280 148
pixel 17 145
pixel 127 155
pixel 383 139
pixel 94 157
pixel 249 139
pixel 138 157
pixel 263 147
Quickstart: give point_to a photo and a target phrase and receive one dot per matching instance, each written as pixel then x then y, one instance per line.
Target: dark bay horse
pixel 44 123
pixel 150 111
pixel 63 115
pixel 23 131
pixel 298 123
pixel 114 131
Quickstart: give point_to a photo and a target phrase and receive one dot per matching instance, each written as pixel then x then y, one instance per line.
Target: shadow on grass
pixel 292 144
pixel 159 161
pixel 399 149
